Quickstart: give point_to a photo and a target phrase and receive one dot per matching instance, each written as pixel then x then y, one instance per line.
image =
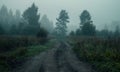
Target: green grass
pixel 103 55
pixel 34 50
pixel 9 59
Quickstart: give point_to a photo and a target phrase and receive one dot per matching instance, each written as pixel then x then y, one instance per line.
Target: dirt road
pixel 58 59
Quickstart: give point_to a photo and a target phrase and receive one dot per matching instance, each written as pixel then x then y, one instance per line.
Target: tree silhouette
pixel 32 17
pixel 87 27
pixel 85 17
pixel 62 20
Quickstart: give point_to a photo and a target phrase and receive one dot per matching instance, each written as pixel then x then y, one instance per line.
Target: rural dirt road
pixel 59 59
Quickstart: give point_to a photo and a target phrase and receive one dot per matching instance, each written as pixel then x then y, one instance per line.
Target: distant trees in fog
pixel 31 17
pixel 8 19
pixel 17 24
pixel 86 26
pixel 46 23
pixel 88 29
pixel 29 23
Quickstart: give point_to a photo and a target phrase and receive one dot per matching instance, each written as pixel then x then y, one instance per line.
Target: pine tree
pixel 61 27
pixel 87 27
pixel 32 17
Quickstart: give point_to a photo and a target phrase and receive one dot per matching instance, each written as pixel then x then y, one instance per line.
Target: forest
pixel 25 35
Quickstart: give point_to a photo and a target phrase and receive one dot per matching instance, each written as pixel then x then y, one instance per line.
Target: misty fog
pixel 59 35
pixel 103 12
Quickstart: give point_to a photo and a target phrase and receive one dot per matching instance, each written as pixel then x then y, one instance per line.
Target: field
pixel 102 54
pixel 14 50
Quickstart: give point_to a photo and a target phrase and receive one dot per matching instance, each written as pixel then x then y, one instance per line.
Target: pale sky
pixel 102 11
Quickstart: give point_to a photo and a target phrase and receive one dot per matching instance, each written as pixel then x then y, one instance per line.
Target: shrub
pixel 42 33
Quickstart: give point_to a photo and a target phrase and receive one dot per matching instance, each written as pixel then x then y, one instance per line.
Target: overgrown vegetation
pixel 15 50
pixel 25 35
pixel 102 54
pixel 20 36
pixel 8 43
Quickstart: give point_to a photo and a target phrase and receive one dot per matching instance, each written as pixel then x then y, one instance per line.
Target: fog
pixel 102 11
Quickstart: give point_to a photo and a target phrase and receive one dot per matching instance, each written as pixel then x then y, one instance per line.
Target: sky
pixel 102 11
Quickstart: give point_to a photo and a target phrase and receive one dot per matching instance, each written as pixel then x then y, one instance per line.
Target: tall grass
pixel 102 54
pixel 15 49
pixel 8 43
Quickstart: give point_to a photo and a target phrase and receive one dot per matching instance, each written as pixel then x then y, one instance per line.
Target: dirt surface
pixel 59 59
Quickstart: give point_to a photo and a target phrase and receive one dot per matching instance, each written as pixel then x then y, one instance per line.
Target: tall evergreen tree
pixel 4 17
pixel 32 17
pixel 61 26
pixel 85 17
pixel 87 27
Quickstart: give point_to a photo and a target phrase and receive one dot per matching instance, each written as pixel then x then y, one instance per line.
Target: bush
pixel 42 33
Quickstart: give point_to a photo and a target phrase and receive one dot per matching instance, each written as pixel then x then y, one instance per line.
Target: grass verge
pixel 15 58
pixel 102 54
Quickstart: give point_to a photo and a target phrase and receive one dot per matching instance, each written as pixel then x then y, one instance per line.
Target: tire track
pixel 61 58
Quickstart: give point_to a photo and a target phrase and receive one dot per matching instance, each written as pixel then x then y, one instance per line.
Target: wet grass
pixel 14 58
pixel 102 54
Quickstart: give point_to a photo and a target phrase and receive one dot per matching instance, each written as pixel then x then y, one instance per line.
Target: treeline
pixel 27 23
pixel 8 20
pixel 21 36
pixel 87 28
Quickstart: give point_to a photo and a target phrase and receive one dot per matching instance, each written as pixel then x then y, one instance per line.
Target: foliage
pixel 72 33
pixel 87 27
pixel 42 33
pixel 16 57
pixel 61 27
pixel 33 50
pixel 78 32
pixel 1 30
pixel 102 54
pixel 8 43
pixel 46 23
pixel 85 17
pixel 117 32
pixel 7 18
pixel 31 15
pixel 13 30
pixel 12 59
pixel 32 18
